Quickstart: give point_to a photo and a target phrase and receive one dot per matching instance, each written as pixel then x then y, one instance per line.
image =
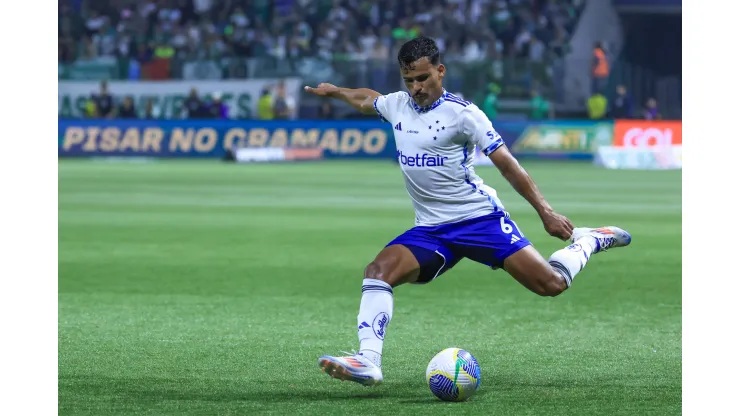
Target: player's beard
pixel 422 100
pixel 427 98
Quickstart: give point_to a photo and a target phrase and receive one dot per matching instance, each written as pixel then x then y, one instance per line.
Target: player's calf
pixel 545 283
pixel 530 269
pixel 550 284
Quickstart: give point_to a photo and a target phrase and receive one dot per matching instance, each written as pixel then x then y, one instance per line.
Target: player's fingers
pixel 311 90
pixel 565 226
pixel 559 233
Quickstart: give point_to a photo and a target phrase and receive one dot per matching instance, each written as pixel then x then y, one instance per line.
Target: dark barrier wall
pixel 360 139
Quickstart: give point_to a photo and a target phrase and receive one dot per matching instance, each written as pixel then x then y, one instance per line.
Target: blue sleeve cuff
pixel 375 104
pixel 493 146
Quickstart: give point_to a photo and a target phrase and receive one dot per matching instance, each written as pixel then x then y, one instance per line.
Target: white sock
pixel 376 310
pixel 572 259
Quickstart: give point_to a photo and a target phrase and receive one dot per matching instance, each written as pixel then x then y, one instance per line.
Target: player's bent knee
pixel 394 265
pixel 375 271
pixel 551 285
pixel 384 272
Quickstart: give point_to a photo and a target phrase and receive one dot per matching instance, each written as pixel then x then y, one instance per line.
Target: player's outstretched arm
pixel 555 224
pixel 361 98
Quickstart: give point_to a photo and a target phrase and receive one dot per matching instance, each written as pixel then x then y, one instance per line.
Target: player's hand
pixel 324 89
pixel 557 225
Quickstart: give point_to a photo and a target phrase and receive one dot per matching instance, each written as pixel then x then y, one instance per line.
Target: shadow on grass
pixel 151 389
pixel 430 399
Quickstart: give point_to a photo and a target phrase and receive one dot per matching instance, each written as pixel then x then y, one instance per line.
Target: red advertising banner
pixel 645 134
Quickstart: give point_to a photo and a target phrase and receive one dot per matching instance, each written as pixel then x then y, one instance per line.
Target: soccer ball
pixel 453 375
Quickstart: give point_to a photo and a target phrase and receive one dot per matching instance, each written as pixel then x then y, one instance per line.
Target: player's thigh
pixel 398 263
pixel 530 269
pixel 488 240
pixel 416 256
pixel 395 265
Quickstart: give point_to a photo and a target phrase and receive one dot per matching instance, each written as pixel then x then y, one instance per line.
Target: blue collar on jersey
pixel 445 95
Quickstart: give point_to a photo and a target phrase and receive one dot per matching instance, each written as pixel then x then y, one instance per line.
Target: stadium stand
pixel 515 44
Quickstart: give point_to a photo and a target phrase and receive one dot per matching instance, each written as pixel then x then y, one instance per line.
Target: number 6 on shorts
pixel 506 228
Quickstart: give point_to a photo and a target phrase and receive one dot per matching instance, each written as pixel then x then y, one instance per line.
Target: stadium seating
pixel 516 44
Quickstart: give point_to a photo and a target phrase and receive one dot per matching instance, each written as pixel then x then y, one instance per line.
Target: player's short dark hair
pixel 417 48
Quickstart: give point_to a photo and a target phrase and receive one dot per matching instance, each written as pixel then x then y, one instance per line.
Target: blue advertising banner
pixel 337 139
pixel 211 138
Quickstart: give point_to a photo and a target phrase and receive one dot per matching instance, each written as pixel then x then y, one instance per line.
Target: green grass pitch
pixel 208 288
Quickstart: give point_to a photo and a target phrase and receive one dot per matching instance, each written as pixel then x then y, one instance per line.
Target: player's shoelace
pixel 606 242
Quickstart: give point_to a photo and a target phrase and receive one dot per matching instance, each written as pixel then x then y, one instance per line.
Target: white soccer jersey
pixel 435 149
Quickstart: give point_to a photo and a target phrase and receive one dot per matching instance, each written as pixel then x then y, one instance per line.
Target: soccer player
pixel 457 216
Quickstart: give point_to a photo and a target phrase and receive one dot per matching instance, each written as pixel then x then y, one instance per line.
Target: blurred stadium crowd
pixel 495 49
pixel 466 30
pixel 216 39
